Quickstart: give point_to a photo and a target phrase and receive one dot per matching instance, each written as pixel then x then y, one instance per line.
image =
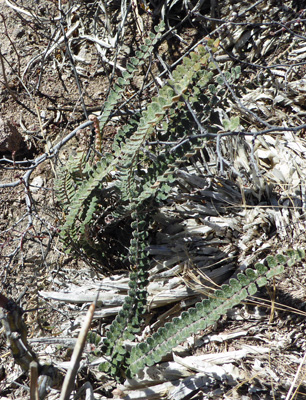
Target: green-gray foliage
pixel 208 311
pixel 199 317
pixel 112 200
pixel 97 197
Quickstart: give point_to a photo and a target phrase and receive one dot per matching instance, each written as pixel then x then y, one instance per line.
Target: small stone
pixel 36 183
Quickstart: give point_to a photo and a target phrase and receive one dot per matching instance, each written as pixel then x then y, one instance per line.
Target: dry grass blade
pixel 33 381
pixel 296 377
pixel 76 355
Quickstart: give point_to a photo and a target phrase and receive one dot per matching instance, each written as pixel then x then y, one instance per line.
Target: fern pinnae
pixel 151 117
pixel 69 179
pixel 143 178
pixel 65 189
pixel 208 311
pixel 83 194
pixel 125 160
pixel 129 319
pixel 127 76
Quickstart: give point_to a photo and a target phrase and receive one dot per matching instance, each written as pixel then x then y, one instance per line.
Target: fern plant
pixel 98 197
pixel 108 205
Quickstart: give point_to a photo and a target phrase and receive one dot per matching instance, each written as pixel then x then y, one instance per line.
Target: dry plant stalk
pixel 76 355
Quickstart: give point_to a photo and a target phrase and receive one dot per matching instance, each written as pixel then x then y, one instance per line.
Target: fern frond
pixel 69 179
pixel 208 311
pixel 127 76
pixel 95 181
pixel 169 95
pixel 130 317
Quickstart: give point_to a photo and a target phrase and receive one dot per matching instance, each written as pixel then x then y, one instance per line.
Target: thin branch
pixel 76 76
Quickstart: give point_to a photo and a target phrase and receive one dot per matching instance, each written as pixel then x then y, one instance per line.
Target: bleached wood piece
pixel 175 390
pixel 197 363
pixel 161 293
